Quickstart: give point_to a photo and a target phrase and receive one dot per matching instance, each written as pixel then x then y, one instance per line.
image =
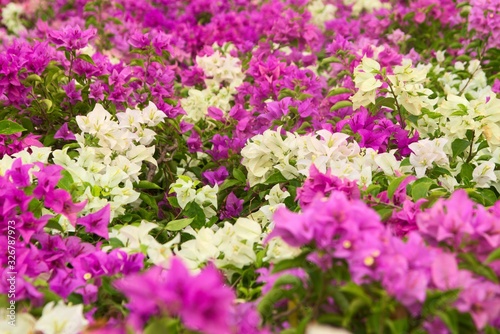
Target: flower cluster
pixel 250 166
pixel 202 301
pixel 343 228
pixel 111 155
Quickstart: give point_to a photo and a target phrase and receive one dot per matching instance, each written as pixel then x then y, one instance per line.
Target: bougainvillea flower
pixel 64 133
pixel 61 202
pixel 72 37
pixel 97 222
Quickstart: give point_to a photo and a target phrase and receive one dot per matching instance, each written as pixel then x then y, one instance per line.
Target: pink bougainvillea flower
pixel 72 37
pixel 48 177
pixel 207 303
pixel 18 173
pixel 64 133
pixel 217 176
pixel 202 302
pixel 233 207
pixel 292 228
pixel 97 222
pixel 61 202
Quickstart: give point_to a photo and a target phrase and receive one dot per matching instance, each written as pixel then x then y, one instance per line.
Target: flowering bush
pixel 282 166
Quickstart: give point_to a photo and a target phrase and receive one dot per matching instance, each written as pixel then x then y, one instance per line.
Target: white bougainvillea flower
pixel 484 174
pixel 61 319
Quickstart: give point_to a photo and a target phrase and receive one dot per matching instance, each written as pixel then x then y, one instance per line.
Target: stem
pixel 148 63
pixel 481 56
pixel 398 107
pixel 371 201
pixel 469 158
pixel 42 111
pixel 70 77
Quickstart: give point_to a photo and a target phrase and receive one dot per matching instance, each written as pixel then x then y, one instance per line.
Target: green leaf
pixel 393 186
pixel 354 308
pixel 179 224
pixel 338 91
pixel 173 202
pixel 388 102
pixel 330 60
pixel 147 185
pixel 482 145
pixel 35 206
pixel 491 330
pixel 485 196
pixel 28 124
pixel 450 320
pixel 463 58
pixel 54 224
pixel 266 304
pixel 116 243
pixel 397 326
pixel 8 127
pixel 466 172
pixel 357 291
pixel 48 103
pixel 460 113
pixel 161 326
pixel 286 92
pixel 331 319
pixel 75 298
pixel 489 196
pixel 276 178
pixel 420 188
pixel 340 105
pixel 495 255
pixel 458 146
pixel 87 58
pixel 409 16
pixel 239 175
pixel 469 133
pixel 228 183
pixel 66 182
pixel 149 200
pixel 193 210
pixel 438 171
pixel 340 300
pixel 290 263
pixel 437 300
pixel 33 77
pixel 384 212
pixel 472 263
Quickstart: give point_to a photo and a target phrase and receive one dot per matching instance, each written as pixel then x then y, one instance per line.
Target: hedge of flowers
pixel 246 166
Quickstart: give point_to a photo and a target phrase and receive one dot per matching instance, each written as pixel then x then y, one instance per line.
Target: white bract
pixel 369 5
pixel 321 12
pixel 366 82
pixel 160 254
pixel 223 75
pixel 229 245
pixel 427 152
pixel 186 192
pixel 111 155
pixel 61 319
pixel 24 323
pixel 134 237
pixel 11 17
pixel 278 250
pixel 293 155
pixel 408 86
pixel 267 151
pixel 388 163
pixel 484 174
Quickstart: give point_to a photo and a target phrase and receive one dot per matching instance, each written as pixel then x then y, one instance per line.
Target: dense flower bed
pixel 246 166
